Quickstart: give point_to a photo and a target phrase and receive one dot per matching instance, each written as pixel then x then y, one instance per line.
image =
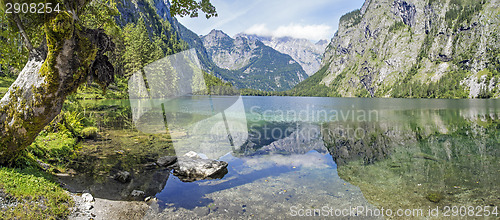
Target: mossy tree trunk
pixel 71 54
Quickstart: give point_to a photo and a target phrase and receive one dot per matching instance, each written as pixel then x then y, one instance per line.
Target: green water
pixel 298 154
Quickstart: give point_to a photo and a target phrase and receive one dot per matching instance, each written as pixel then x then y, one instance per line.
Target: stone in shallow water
pixel 194 168
pixel 166 161
pixel 137 193
pixel 43 165
pixel 122 176
pixel 150 166
pixel 88 206
pixel 87 197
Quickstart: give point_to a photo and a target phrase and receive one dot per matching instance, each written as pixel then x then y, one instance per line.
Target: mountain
pixel 256 67
pixel 229 53
pixel 413 48
pixel 248 63
pixel 306 53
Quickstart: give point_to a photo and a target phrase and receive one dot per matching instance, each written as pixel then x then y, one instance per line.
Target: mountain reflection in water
pixel 413 154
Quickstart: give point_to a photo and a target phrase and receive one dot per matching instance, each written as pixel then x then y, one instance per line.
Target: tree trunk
pixel 72 54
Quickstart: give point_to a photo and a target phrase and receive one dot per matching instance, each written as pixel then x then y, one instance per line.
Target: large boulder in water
pixel 191 167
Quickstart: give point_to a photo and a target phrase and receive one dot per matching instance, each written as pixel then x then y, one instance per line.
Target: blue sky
pixel 311 19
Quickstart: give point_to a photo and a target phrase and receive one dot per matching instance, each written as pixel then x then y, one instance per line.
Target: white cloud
pixel 259 29
pixel 310 32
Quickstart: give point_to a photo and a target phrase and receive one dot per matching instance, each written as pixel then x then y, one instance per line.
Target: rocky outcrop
pixel 393 45
pixel 306 53
pixel 191 167
pixel 229 53
pixel 405 10
pixel 248 63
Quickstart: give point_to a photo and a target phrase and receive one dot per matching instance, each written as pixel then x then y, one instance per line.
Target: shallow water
pixel 298 156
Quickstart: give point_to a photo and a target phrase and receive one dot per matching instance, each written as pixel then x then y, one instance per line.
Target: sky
pixel 309 19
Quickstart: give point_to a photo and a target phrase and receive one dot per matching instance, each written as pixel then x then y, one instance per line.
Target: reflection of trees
pixel 399 163
pixel 352 141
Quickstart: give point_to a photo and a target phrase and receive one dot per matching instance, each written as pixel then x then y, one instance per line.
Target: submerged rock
pixel 150 166
pixel 137 193
pixel 166 161
pixel 191 167
pixel 122 176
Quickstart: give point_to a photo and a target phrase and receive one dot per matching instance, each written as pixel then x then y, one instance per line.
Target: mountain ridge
pixel 305 52
pixel 249 63
pixel 410 48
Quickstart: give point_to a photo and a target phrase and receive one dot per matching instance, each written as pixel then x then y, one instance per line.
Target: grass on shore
pixel 30 193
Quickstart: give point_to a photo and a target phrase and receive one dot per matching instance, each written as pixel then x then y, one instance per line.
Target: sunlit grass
pixel 37 196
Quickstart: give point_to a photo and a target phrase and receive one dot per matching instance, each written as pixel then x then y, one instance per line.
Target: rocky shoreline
pixel 87 207
pixel 127 195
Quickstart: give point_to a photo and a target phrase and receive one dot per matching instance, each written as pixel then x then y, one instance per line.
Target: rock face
pixel 306 53
pixel 229 53
pixel 405 10
pixel 191 168
pixel 248 63
pixel 393 45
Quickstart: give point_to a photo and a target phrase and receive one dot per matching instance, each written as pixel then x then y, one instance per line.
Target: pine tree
pixel 139 50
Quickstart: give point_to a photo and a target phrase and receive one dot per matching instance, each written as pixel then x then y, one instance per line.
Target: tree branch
pixel 20 26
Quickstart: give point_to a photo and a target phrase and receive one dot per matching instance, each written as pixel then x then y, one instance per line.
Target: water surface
pixel 314 156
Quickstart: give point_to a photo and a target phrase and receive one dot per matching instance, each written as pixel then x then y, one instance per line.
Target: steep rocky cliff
pixel 248 63
pixel 305 52
pixel 414 48
pixel 229 53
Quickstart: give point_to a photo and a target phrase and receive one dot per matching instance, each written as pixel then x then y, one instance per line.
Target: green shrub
pixel 89 132
pixel 447 87
pixel 461 12
pixel 397 26
pixel 72 122
pixel 57 147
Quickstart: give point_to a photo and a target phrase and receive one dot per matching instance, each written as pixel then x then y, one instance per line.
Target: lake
pixel 303 156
